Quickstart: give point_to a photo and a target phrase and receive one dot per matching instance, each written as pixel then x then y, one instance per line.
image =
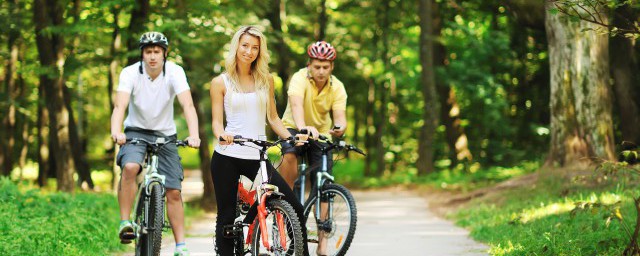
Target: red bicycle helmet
pixel 322 50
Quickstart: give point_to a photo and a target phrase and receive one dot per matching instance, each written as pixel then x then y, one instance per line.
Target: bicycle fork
pixel 321 177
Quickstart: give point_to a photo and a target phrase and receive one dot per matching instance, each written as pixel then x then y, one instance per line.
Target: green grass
pixel 351 173
pixel 34 222
pixel 537 220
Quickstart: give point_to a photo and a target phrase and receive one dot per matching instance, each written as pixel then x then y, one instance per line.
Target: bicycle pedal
pixel 232 231
pixel 126 237
pixel 325 226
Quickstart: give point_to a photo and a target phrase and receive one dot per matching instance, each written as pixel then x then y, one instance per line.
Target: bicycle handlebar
pixel 341 145
pixel 263 143
pixel 179 143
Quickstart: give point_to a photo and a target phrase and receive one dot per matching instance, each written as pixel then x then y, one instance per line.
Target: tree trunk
pixel 320 31
pixel 431 105
pixel 43 146
pixel 581 125
pixel 137 26
pixel 382 116
pixel 79 156
pixel 368 137
pixel 622 54
pixel 208 201
pixel 275 14
pixel 51 55
pixel 9 114
pixel 113 77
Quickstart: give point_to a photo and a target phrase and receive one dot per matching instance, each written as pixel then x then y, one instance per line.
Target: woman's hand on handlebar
pixel 226 139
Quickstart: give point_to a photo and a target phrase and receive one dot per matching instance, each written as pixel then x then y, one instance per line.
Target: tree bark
pixel 208 201
pixel 42 144
pixel 581 125
pixel 382 117
pixel 137 26
pixel 321 29
pixel 113 77
pixel 431 110
pixel 50 52
pixel 368 136
pixel 9 114
pixel 275 13
pixel 626 93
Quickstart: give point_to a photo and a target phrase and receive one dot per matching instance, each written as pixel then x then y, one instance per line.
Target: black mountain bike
pixel 330 211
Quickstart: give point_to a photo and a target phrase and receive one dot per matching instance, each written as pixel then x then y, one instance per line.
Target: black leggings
pixel 226 171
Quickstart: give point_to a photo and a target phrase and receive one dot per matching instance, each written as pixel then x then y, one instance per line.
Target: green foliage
pixel 35 223
pixel 555 216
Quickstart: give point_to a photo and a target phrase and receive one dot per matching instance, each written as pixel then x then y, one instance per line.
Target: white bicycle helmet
pixel 153 38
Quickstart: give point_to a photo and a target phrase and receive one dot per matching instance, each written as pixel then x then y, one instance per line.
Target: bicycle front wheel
pixel 281 220
pixel 331 233
pixel 151 235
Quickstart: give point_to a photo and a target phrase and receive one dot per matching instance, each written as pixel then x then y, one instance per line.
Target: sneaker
pixel 126 232
pixel 181 252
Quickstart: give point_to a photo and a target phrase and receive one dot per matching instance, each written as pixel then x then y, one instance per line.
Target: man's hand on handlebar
pixel 193 142
pixel 119 138
pixel 311 131
pixel 301 138
pixel 337 131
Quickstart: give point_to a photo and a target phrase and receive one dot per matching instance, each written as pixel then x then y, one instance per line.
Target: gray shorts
pixel 168 159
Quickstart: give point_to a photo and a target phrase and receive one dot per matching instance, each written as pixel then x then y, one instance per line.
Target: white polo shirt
pixel 151 102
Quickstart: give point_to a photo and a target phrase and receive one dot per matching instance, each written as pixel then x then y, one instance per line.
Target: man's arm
pixel 297 111
pixel 117 117
pixel 339 119
pixel 192 118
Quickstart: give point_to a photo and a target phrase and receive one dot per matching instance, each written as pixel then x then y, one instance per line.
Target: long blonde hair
pixel 259 67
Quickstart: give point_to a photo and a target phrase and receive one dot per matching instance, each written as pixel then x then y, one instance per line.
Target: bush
pixel 34 223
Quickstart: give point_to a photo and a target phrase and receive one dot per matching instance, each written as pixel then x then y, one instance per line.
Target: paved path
pixel 390 222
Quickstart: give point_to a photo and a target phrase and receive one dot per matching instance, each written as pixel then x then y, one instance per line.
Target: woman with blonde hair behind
pixel 244 95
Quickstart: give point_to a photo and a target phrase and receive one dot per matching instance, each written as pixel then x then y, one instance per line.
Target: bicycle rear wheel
pixel 280 214
pixel 339 227
pixel 150 241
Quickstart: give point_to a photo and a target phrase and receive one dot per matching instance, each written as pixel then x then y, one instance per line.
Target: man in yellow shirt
pixel 314 96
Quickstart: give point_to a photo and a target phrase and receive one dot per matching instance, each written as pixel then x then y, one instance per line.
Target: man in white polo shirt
pixel 148 89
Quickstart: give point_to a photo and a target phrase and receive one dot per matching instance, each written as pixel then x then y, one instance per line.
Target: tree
pixel 47 14
pixel 431 105
pixel 581 124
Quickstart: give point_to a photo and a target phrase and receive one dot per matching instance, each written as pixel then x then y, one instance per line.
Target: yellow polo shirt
pixel 317 105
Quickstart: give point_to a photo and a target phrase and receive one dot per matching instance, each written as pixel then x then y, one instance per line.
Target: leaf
pixel 618 214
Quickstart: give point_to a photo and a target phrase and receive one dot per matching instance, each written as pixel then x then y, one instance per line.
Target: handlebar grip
pixel 322 137
pixel 304 131
pixel 221 139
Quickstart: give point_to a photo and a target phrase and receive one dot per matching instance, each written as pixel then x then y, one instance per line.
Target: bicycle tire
pixel 140 222
pixel 292 224
pixel 152 241
pixel 344 207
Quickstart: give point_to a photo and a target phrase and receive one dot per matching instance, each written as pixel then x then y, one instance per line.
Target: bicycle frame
pixel 258 195
pixel 151 175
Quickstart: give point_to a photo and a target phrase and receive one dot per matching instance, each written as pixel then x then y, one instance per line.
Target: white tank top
pixel 244 116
